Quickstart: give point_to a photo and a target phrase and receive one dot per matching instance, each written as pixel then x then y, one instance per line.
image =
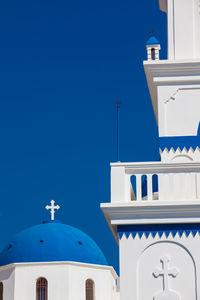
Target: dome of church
pixel 152 41
pixel 52 241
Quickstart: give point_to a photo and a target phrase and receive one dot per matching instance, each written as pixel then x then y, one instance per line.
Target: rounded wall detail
pixel 163 267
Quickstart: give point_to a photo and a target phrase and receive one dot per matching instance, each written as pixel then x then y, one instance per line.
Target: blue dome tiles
pixel 152 41
pixel 49 242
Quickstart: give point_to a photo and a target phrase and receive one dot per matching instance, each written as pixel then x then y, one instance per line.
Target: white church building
pixel 55 261
pixel 154 212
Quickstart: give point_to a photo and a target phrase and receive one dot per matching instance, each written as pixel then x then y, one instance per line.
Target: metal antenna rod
pixel 118 107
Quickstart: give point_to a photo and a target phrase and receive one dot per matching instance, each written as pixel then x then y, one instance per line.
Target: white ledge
pixel 170 72
pixel 60 263
pixel 152 212
pixel 158 166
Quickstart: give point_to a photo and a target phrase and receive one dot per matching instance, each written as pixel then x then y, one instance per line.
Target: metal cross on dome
pixel 52 207
pixel 152 32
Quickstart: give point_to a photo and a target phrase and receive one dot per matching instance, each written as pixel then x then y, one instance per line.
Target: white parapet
pixel 155 181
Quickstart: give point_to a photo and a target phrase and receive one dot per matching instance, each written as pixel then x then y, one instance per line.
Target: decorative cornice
pixel 60 263
pixel 175 68
pixel 159 230
pixel 179 151
pixel 164 72
pixel 152 212
pixel 140 167
pixel 180 142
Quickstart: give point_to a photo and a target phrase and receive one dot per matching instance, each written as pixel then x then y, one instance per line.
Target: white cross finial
pixel 52 207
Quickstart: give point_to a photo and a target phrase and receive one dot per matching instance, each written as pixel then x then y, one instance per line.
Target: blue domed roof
pixel 52 241
pixel 152 41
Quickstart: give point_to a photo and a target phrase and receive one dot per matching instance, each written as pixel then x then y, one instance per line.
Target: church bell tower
pixel 156 220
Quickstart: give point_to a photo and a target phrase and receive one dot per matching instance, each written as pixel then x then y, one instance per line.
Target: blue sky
pixel 62 67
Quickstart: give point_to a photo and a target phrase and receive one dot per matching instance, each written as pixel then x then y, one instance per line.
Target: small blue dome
pixel 152 41
pixel 52 241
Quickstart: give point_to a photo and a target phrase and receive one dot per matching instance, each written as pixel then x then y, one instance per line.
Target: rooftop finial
pixel 152 32
pixel 52 207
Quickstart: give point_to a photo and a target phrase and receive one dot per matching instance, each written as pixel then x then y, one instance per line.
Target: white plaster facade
pixel 157 228
pixel 66 280
pixel 175 89
pixel 137 271
pixel 183 18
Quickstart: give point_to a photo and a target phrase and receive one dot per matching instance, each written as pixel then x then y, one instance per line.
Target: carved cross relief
pixel 165 272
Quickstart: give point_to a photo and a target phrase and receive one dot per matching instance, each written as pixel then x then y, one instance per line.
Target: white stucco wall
pixel 183 28
pixel 65 281
pixel 178 109
pixel 140 257
pixel 7 276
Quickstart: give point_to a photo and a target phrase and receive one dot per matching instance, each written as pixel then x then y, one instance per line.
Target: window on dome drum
pixel 89 289
pixel 41 289
pixel 1 290
pixel 153 54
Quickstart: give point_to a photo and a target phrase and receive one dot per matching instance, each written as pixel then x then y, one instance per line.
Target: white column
pixel 149 187
pixel 139 187
pixel 170 29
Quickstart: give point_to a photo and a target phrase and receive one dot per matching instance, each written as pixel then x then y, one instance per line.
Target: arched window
pixel 89 289
pixel 41 289
pixel 1 290
pixel 153 54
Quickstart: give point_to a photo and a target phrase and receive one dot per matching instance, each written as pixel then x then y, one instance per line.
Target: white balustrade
pixel 176 182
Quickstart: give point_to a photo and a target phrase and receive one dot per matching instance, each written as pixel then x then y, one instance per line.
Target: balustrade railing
pixel 155 181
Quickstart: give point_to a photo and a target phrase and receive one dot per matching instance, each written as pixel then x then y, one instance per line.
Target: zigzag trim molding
pixel 181 151
pixel 180 142
pixel 159 229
